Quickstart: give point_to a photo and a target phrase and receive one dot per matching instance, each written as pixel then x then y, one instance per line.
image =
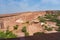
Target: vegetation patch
pixel 38 33
pixel 25 31
pixel 58 29
pixel 48 28
pixel 7 34
pixel 15 27
pixel 50 17
pixel 41 19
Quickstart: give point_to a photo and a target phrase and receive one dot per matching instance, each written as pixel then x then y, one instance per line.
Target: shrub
pixel 37 33
pixel 7 34
pixel 10 35
pixel 41 19
pixel 2 34
pixel 26 34
pixel 48 16
pixel 58 24
pixel 51 16
pixel 58 29
pixel 24 29
pixel 15 27
pixel 48 28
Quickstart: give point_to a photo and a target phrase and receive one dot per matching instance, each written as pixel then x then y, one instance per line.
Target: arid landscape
pixel 29 23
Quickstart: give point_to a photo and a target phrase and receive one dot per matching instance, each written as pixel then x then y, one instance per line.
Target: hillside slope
pixel 29 20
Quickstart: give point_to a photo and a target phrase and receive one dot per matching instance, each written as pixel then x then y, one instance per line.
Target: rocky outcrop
pixel 21 19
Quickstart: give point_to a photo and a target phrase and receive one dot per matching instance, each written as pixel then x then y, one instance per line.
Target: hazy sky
pixel 12 6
